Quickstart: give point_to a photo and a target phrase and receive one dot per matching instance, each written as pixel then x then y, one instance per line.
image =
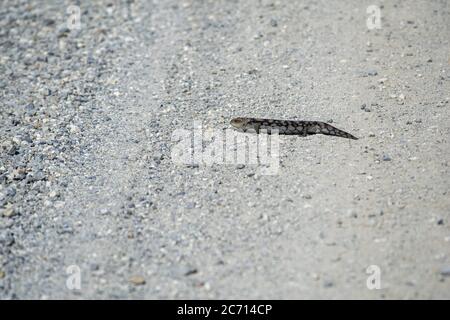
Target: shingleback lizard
pixel 289 127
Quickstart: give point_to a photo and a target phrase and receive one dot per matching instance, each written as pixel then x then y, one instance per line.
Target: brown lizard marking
pixel 289 127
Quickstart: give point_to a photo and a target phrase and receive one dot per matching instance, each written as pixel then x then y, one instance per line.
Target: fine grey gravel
pixel 89 189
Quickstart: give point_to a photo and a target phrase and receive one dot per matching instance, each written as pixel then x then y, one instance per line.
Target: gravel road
pixel 93 205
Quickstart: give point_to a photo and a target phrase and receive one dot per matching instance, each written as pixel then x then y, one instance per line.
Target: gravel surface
pixel 89 188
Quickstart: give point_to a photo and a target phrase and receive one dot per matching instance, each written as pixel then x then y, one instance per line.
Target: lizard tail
pixel 327 129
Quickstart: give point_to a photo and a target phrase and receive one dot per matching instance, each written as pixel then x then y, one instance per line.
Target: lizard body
pixel 288 127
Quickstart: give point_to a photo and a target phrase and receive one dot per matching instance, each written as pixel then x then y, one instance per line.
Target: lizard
pixel 288 127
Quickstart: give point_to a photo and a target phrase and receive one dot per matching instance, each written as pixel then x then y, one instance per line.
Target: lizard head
pixel 239 123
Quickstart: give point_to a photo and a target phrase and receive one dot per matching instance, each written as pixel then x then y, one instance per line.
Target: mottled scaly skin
pixel 288 127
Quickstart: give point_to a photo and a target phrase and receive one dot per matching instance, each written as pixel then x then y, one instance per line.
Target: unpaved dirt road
pixel 90 191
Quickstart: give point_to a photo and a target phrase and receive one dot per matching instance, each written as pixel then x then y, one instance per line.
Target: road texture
pixel 89 189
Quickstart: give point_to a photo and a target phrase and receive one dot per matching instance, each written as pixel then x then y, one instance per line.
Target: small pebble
pixel 445 271
pixel 190 271
pixel 137 280
pixel 365 108
pixel 9 212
